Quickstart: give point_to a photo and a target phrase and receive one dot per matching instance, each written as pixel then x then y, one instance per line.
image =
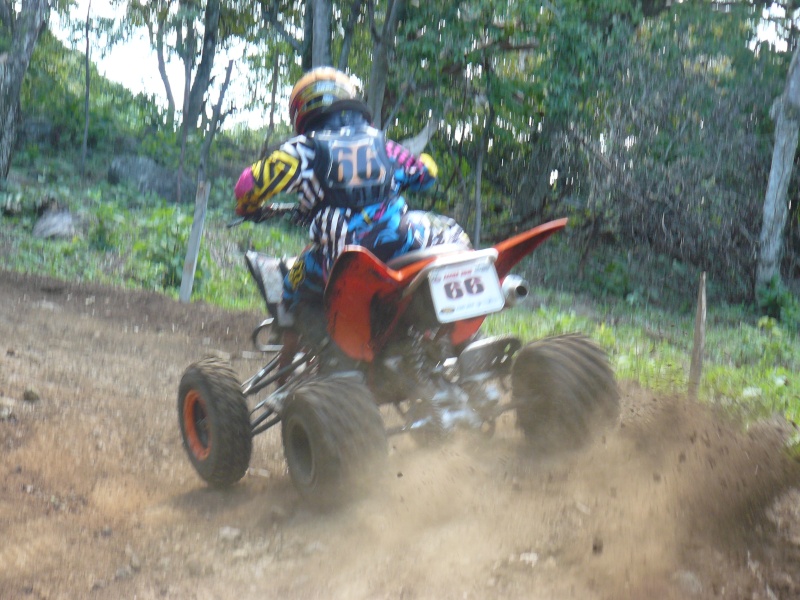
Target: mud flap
pixel 268 273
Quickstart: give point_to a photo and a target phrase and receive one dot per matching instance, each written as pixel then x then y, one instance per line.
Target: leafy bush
pixel 102 232
pixel 160 250
pixel 778 302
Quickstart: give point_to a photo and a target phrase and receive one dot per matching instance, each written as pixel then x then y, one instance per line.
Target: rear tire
pixel 333 439
pixel 215 422
pixel 565 392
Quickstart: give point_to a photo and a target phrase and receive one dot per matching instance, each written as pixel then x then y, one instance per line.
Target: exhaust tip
pixel 515 288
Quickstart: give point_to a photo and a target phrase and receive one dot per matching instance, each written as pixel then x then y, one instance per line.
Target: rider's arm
pixel 415 174
pixel 284 170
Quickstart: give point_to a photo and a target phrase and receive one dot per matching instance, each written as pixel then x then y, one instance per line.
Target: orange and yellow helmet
pixel 317 92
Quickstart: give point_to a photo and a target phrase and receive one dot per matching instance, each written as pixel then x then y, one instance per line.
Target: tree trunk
pixel 187 47
pixel 487 130
pixel 785 111
pixel 158 37
pixel 306 55
pixel 202 78
pixel 321 44
pixel 201 198
pixel 383 43
pixel 347 38
pixel 214 125
pixel 13 65
pixel 272 105
pixel 87 65
pixel 775 205
pixel 476 236
pixel 187 78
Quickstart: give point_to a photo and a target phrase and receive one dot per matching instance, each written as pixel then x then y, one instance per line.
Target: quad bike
pixel 406 334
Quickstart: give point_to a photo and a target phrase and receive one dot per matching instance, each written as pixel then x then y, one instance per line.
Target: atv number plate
pixel 465 290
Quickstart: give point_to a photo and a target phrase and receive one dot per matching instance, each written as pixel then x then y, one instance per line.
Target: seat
pixel 408 258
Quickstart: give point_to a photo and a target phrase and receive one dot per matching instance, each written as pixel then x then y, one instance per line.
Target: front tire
pixel 215 422
pixel 565 392
pixel 333 439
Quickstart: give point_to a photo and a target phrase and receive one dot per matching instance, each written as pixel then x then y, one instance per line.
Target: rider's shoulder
pixel 300 140
pixel 296 147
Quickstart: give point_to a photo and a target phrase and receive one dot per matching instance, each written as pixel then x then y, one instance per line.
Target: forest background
pixel 665 131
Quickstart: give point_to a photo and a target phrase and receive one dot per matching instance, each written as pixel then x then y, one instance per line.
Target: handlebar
pixel 281 208
pixel 265 213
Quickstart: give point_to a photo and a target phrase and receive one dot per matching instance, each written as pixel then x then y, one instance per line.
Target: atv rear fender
pixel 364 298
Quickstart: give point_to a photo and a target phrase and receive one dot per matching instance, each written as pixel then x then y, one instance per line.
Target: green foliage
pixel 657 127
pixel 776 345
pixel 582 37
pixel 66 259
pixel 778 302
pixel 103 230
pixel 672 150
pixel 229 283
pixel 116 116
pixel 160 250
pixel 614 279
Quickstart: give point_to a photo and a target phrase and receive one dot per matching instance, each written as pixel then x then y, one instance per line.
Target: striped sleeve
pixel 329 231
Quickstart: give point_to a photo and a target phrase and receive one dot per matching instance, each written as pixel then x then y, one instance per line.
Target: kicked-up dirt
pixel 98 499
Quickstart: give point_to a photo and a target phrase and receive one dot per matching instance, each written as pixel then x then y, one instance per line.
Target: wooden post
pixel 193 250
pixel 696 368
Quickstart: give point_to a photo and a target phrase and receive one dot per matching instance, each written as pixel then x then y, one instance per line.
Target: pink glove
pixel 245 184
pixel 245 204
pixel 410 163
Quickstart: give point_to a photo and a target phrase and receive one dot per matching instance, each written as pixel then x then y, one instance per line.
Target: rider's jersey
pixel 348 168
pixel 352 167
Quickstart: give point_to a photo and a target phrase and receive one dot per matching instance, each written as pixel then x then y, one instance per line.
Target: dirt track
pixel 98 500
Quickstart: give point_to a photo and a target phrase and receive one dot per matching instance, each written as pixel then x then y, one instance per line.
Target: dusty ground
pixel 98 500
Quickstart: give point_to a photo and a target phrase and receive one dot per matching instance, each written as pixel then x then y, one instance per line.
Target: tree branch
pixel 207 54
pixel 7 15
pixel 373 29
pixel 217 117
pixel 272 104
pixel 270 15
pixel 162 67
pixel 347 41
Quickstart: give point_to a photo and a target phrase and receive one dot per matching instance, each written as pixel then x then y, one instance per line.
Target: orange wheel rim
pixel 195 424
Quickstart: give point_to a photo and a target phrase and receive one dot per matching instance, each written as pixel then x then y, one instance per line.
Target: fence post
pixel 698 349
pixel 193 249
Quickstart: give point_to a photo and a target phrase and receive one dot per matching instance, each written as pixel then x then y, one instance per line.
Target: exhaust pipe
pixel 515 288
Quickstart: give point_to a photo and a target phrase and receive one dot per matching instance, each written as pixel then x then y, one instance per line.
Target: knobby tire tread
pixel 566 391
pixel 354 438
pixel 231 440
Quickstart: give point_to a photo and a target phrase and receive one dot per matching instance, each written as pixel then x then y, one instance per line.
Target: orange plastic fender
pixel 362 301
pixel 510 252
pixel 514 249
pixel 363 296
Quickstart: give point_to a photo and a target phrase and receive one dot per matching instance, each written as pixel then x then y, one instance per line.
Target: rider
pixel 348 177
